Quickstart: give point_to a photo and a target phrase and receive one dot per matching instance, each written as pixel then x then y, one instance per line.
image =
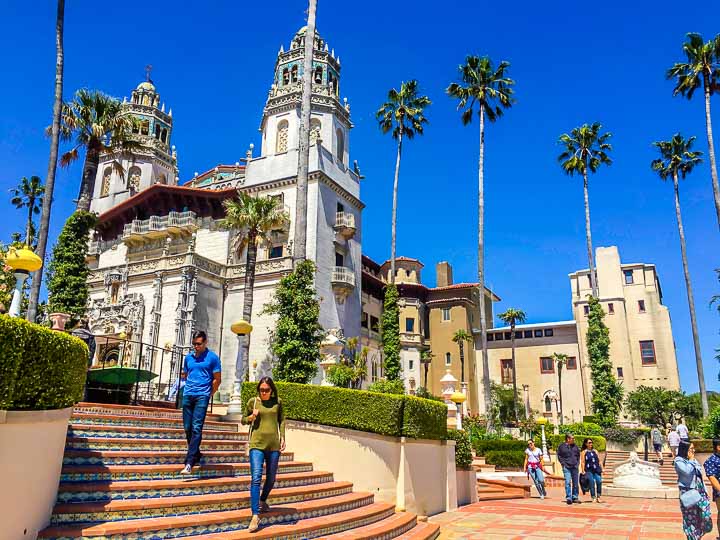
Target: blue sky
pixel 213 64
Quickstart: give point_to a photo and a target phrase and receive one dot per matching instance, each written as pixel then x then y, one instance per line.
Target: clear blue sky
pixel 572 64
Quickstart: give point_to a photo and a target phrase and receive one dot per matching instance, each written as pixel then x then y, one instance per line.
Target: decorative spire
pixel 148 70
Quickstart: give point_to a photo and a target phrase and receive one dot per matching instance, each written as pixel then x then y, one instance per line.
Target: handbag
pixel 247 448
pixel 584 483
pixel 690 498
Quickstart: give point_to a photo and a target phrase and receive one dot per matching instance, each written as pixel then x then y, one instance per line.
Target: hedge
pixel 483 446
pixel 582 428
pixel 463 454
pixel 40 369
pixel 624 435
pixel 385 414
pixel 599 443
pixel 505 458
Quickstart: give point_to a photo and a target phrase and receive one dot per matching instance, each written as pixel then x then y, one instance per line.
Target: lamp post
pixel 458 398
pixel 541 422
pixel 240 328
pixel 22 261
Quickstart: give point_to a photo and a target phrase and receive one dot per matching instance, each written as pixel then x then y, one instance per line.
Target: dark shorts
pixel 657 447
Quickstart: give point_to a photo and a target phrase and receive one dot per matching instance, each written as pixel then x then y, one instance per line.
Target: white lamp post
pixel 241 328
pixel 23 261
pixel 541 422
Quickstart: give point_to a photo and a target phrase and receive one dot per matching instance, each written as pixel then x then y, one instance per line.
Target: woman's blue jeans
pixel 538 478
pixel 595 480
pixel 271 458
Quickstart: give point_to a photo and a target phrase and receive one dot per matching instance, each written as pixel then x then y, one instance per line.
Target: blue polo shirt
pixel 200 372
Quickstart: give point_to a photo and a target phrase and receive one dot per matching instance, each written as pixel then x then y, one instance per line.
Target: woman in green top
pixel 267 441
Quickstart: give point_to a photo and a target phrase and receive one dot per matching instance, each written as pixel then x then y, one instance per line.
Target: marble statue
pixel 635 473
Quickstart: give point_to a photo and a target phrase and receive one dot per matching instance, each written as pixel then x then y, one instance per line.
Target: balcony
pixel 345 224
pixel 173 224
pixel 343 282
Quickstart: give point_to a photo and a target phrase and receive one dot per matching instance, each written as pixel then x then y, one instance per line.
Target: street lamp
pixel 541 422
pixel 241 328
pixel 458 398
pixel 22 261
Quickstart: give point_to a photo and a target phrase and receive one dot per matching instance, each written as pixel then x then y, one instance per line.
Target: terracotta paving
pixel 615 518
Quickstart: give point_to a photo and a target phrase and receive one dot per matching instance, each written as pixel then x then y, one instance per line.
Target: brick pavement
pixel 532 519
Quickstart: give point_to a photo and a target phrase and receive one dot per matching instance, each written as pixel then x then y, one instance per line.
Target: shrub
pixel 463 454
pixel 703 445
pixel 483 446
pixel 474 425
pixel 422 392
pixel 711 427
pixel 583 428
pixel 340 375
pixel 505 458
pixel 386 414
pixel 590 418
pixel 624 435
pixel 390 333
pixel 383 386
pixel 40 369
pixel 599 443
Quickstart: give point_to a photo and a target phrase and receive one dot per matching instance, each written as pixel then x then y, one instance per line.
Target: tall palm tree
pixel 403 115
pixel 461 337
pixel 702 68
pixel 586 149
pixel 560 360
pixel 91 119
pixel 300 241
pixel 487 87
pixel 512 317
pixel 678 159
pixel 29 194
pixel 426 357
pixel 253 219
pixel 52 162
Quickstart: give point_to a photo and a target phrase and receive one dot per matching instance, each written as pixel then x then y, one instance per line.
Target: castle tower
pixel 155 162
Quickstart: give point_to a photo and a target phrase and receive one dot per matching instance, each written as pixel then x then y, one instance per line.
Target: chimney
pixel 443 272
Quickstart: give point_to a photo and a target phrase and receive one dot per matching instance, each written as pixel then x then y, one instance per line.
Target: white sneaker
pixel 186 470
pixel 542 497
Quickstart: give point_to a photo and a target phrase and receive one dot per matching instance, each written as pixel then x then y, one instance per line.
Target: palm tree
pixel 300 243
pixel 586 149
pixel 487 87
pixel 426 357
pixel 702 68
pixel 461 337
pixel 52 162
pixel 402 114
pixel 29 194
pixel 560 360
pixel 512 316
pixel 678 159
pixel 90 119
pixel 253 219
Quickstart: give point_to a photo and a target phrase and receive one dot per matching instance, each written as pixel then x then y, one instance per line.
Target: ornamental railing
pixel 343 276
pixel 159 223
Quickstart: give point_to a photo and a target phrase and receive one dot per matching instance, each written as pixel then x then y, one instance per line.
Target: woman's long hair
pixel 585 443
pixel 270 383
pixel 683 449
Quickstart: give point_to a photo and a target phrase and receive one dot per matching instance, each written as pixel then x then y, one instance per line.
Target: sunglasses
pixel 265 390
pixel 198 343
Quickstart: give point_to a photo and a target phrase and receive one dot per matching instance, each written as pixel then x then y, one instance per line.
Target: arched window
pixel 315 127
pixel 163 135
pixel 145 127
pixel 294 74
pixel 105 189
pixel 318 75
pixel 548 404
pixel 162 179
pixel 285 76
pixel 134 175
pixel 157 131
pixel 340 148
pixel 281 142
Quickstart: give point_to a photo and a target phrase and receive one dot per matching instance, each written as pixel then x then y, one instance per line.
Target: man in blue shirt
pixel 201 371
pixel 712 470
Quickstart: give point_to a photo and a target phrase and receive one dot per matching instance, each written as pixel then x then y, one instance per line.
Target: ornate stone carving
pixel 635 473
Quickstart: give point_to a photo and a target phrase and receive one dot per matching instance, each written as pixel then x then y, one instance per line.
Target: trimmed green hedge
pixel 505 458
pixel 599 443
pixel 463 454
pixel 385 414
pixel 483 446
pixel 624 435
pixel 582 428
pixel 40 369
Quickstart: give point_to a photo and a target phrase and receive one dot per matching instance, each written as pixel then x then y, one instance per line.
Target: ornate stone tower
pixel 155 162
pixel 330 121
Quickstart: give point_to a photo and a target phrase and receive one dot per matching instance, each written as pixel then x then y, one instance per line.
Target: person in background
pixel 201 371
pixel 694 503
pixel 683 431
pixel 590 467
pixel 568 455
pixel 673 440
pixel 81 331
pixel 657 442
pixel 533 466
pixel 712 470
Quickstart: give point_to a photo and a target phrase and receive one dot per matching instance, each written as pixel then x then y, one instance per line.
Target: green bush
pixel 624 435
pixel 386 414
pixel 590 418
pixel 463 454
pixel 383 386
pixel 505 458
pixel 711 427
pixel 599 443
pixel 483 446
pixel 40 369
pixel 422 392
pixel 582 428
pixel 703 445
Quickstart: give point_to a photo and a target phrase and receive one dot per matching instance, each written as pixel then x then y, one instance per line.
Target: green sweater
pixel 269 426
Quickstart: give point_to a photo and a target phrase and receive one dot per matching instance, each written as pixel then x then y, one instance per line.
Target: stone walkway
pixel 532 519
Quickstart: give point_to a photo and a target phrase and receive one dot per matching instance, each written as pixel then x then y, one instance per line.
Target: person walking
pixel 694 503
pixel 712 470
pixel 590 467
pixel 683 431
pixel 267 440
pixel 657 442
pixel 81 331
pixel 673 440
pixel 568 455
pixel 533 466
pixel 201 371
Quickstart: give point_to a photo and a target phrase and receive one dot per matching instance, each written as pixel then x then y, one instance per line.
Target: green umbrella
pixel 120 375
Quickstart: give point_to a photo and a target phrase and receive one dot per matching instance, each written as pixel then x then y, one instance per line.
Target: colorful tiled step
pixel 389 527
pixel 422 531
pixel 117 443
pixel 134 410
pixel 164 457
pixel 154 433
pixel 146 421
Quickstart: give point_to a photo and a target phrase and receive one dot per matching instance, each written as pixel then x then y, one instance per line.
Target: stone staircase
pixel 491 489
pixel 120 481
pixel 667 472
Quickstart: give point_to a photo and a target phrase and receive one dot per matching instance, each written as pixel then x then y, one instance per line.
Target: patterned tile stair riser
pixel 146 422
pixel 147 434
pixel 102 457
pixel 132 410
pixel 105 443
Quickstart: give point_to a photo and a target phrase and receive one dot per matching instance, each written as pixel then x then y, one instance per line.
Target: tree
pixel 52 162
pixel 97 124
pixel 390 334
pixel 560 360
pixel 402 114
pixel 512 316
pixel 702 68
pixel 29 194
pixel 253 219
pixel 461 337
pixel 300 248
pixel 426 357
pixel 586 149
pixel 607 392
pixel 504 404
pixel 296 339
pixel 352 369
pixel 677 159
pixel 68 270
pixel 487 87
pixel 657 406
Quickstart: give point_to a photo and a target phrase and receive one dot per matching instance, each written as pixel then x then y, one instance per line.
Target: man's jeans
pixel 595 480
pixel 571 480
pixel 538 478
pixel 194 409
pixel 272 460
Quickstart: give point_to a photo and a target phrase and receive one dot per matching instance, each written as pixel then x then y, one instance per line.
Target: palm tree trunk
pixel 481 275
pixel 87 185
pixel 28 229
pixel 588 237
pixel 426 375
pixel 691 301
pixel 300 248
pixel 394 209
pixel 250 262
pixel 52 162
pixel 514 375
pixel 711 151
pixel 560 392
pixel 462 361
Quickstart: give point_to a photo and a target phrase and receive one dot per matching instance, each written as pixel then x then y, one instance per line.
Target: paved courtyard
pixel 533 519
